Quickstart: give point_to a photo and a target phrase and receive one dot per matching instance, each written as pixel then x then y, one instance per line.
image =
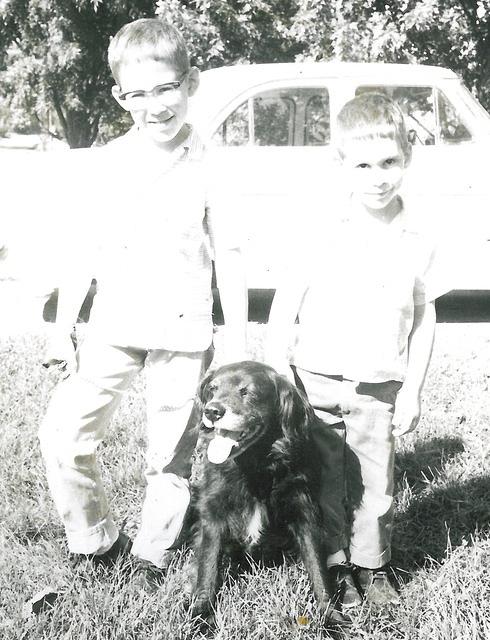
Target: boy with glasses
pixel 153 304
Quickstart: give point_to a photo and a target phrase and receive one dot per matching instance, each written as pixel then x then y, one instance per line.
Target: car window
pixel 317 120
pixel 296 116
pixel 430 117
pixel 417 103
pixel 452 129
pixel 234 130
pixel 274 117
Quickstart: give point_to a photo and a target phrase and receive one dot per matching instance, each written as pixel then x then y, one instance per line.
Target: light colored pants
pixel 355 442
pixel 79 412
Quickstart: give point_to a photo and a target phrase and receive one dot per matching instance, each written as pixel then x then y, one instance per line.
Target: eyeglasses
pixel 139 96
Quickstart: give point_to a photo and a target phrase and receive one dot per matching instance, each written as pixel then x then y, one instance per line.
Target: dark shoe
pixel 106 560
pixel 343 586
pixel 148 576
pixel 378 585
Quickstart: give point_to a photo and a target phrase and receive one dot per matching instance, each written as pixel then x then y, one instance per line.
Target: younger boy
pixel 365 298
pixel 153 304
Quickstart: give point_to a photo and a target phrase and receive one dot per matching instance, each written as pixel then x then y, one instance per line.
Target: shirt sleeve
pixel 222 220
pixel 434 276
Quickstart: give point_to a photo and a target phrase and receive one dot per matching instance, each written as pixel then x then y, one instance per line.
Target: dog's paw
pixel 203 617
pixel 189 579
pixel 200 608
pixel 336 624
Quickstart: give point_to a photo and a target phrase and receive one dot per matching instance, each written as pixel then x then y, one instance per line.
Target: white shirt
pixel 358 309
pixel 153 245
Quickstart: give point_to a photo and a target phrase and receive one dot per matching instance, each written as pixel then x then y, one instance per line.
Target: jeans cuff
pixel 151 553
pixel 97 539
pixel 370 561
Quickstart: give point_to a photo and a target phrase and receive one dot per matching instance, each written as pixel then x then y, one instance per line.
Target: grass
pixel 441 538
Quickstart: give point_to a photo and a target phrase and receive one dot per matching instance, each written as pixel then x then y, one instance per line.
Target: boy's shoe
pixel 343 585
pixel 148 576
pixel 107 560
pixel 378 585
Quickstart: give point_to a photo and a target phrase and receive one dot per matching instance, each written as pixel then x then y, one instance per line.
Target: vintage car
pixel 271 129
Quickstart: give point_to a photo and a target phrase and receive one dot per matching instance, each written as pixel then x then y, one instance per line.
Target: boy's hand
pixel 60 352
pixel 407 413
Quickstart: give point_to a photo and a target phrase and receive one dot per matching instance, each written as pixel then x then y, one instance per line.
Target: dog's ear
pixel 201 390
pixel 295 411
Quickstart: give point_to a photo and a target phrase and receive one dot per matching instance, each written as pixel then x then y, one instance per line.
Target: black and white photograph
pixel 244 320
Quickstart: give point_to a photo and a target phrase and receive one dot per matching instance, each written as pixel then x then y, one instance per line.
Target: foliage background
pixel 53 52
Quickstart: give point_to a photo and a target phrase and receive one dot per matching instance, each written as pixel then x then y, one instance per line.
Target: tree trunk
pixel 81 129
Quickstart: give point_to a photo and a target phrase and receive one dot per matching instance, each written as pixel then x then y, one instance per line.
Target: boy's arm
pixel 284 310
pixel 71 294
pixel 420 342
pixel 230 277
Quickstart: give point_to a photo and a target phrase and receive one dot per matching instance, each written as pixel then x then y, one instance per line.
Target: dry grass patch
pixel 441 539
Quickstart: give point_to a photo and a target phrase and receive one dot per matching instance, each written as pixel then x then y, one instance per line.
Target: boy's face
pixel 375 169
pixel 158 112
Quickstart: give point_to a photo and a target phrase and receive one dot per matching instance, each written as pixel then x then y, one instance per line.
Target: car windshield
pixel 474 106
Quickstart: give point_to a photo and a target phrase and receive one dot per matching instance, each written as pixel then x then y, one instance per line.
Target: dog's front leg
pixel 311 554
pixel 208 555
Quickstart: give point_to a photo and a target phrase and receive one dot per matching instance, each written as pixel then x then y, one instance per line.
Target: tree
pixel 454 34
pixel 54 58
pixel 450 33
pixel 222 32
pixel 53 52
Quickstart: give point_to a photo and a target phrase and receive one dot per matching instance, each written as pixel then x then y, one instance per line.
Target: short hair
pixel 370 116
pixel 148 39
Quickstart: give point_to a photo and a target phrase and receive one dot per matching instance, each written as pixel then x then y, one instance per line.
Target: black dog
pixel 258 481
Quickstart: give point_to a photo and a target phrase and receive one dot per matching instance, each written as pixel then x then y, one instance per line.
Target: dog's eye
pixel 243 391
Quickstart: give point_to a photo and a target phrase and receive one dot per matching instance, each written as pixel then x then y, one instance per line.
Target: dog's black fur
pixel 263 496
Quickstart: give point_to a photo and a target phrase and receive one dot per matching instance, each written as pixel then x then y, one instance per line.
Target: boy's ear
pixel 115 94
pixel 193 80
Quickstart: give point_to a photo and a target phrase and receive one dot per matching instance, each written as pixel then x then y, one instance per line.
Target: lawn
pixel 441 539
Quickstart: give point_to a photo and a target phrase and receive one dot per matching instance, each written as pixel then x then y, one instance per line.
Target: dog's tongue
pixel 219 449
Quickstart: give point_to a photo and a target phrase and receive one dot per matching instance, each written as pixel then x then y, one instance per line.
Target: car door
pixel 271 154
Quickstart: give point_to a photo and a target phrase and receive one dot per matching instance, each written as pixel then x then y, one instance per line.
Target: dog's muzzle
pixel 214 411
pixel 224 439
